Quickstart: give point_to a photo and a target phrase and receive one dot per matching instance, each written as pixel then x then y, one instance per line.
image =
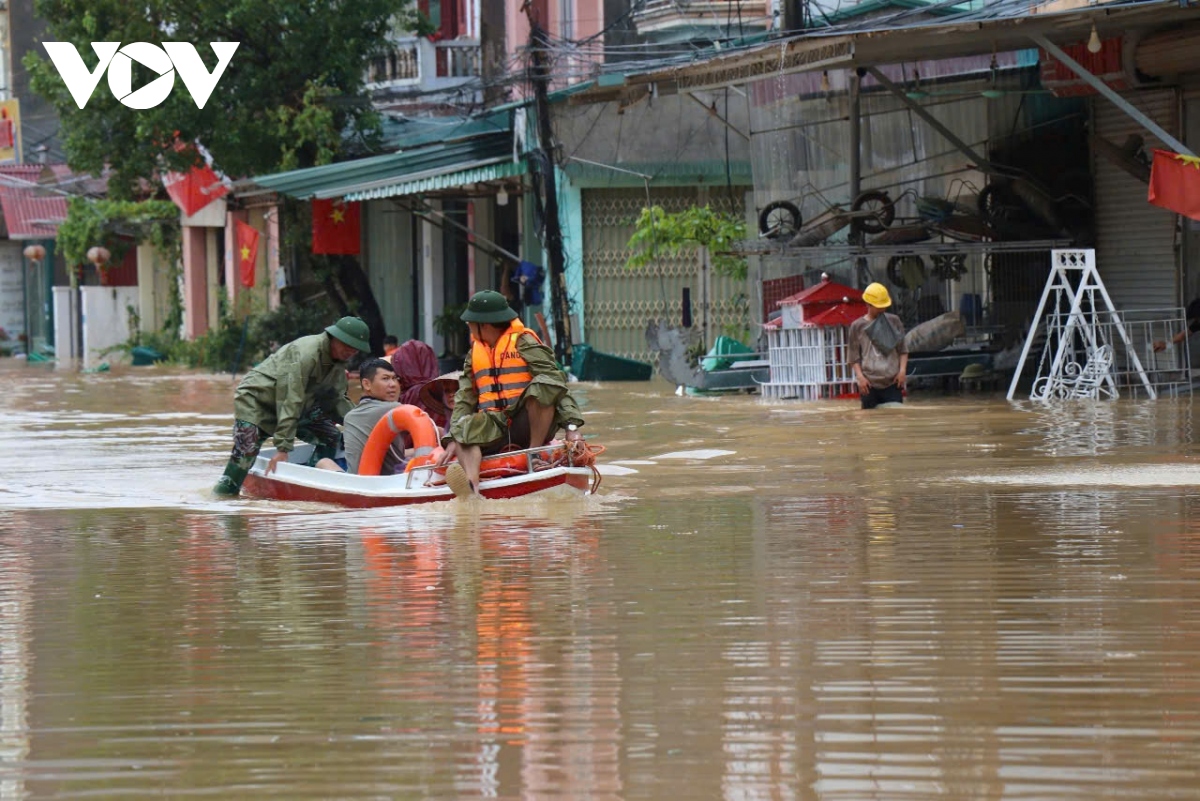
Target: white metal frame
pixel 808 363
pixel 1074 284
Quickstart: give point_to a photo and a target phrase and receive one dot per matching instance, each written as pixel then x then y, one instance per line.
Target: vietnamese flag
pixel 247 252
pixel 194 189
pixel 1175 183
pixel 337 228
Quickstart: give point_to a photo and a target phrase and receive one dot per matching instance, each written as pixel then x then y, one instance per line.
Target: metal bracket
pixel 1110 94
pixel 930 120
pixel 712 110
pixel 474 238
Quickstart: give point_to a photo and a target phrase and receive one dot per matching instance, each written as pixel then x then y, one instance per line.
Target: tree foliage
pixel 295 85
pixel 116 224
pixel 657 233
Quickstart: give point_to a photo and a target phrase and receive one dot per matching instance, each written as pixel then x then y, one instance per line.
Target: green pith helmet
pixel 974 371
pixel 488 307
pixel 352 331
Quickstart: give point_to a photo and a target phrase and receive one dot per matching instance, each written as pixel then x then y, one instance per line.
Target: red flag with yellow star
pixel 195 189
pixel 247 252
pixel 336 228
pixel 1175 183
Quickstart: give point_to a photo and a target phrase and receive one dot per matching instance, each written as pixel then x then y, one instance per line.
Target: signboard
pixel 10 132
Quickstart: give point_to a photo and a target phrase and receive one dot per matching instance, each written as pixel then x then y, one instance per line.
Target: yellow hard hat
pixel 877 295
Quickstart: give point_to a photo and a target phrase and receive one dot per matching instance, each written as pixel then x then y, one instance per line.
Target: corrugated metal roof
pixel 446 180
pixel 29 212
pixel 1001 25
pixel 338 180
pixel 406 133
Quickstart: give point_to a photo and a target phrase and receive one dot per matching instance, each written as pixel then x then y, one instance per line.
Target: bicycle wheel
pixel 880 212
pixel 907 272
pixel 778 219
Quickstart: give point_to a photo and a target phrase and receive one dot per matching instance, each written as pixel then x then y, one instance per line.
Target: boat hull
pixel 373 492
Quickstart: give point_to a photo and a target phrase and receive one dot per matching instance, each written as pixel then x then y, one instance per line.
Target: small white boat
pixel 522 475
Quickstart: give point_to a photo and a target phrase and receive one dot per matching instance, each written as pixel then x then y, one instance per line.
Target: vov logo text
pixel 170 58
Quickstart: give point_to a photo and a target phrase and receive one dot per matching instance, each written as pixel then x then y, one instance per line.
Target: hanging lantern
pixel 35 253
pixel 98 256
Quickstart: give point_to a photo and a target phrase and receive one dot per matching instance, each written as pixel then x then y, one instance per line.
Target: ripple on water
pixel 808 602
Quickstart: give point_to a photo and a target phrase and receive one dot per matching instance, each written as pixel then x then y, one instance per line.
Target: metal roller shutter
pixel 618 301
pixel 1135 241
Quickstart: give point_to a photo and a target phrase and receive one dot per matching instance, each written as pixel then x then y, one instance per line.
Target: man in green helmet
pixel 511 393
pixel 299 390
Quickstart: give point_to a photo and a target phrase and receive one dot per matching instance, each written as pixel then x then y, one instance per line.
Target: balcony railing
pixel 415 63
pixel 663 15
pixel 400 65
pixel 458 58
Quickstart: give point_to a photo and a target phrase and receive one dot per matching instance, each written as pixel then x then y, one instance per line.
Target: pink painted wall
pixel 233 284
pixel 516 26
pixel 272 248
pixel 588 21
pixel 195 282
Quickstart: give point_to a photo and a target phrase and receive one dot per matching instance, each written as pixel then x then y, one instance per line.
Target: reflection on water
pixel 15 626
pixel 1094 428
pixel 777 601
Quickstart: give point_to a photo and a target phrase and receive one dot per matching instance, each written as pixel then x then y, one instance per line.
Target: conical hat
pixel 432 399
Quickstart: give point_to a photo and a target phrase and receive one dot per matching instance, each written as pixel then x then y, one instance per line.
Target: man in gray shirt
pixel 876 351
pixel 381 393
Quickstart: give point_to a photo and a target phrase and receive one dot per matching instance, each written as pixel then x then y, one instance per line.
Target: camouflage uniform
pixel 549 387
pixel 297 391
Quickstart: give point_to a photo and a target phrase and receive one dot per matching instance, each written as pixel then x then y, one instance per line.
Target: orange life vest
pixel 501 374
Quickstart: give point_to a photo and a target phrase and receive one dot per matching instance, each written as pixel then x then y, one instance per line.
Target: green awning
pixel 446 180
pixel 350 177
pixel 406 133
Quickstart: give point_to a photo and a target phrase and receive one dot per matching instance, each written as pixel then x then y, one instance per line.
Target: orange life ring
pixel 419 426
pixel 502 465
pixel 424 459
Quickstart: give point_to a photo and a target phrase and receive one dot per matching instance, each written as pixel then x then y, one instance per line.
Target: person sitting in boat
pixel 416 367
pixel 380 394
pixel 299 390
pixel 876 351
pixel 511 393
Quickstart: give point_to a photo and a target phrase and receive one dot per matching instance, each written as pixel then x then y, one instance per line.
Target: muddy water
pixel 961 599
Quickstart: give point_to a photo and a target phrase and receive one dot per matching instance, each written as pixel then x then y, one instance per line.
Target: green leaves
pixel 273 105
pixel 114 224
pixel 658 233
pixel 309 132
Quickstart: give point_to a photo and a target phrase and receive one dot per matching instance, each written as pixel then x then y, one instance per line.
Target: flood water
pixel 963 599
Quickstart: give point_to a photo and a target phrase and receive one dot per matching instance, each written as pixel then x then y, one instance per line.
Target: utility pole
pixel 795 16
pixel 539 73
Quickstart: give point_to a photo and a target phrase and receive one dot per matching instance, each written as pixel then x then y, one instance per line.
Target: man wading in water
pixel 299 390
pixel 877 353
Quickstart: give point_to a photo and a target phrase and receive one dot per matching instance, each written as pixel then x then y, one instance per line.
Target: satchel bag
pixel 883 334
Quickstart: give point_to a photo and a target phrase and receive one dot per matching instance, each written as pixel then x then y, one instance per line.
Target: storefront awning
pixel 991 28
pixel 351 179
pixel 445 180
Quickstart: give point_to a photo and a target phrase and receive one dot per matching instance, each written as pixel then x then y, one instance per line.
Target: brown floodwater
pixel 963 599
